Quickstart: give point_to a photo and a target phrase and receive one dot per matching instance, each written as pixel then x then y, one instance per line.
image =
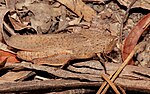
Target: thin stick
pixel 121 28
pixel 121 89
pixel 111 84
pixel 116 74
pixel 124 20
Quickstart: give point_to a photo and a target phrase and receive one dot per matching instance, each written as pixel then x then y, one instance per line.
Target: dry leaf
pixel 80 8
pixel 133 37
pixel 4 47
pixel 43 13
pixel 3 11
pixel 12 57
pixel 2 64
pixel 75 21
pixel 17 24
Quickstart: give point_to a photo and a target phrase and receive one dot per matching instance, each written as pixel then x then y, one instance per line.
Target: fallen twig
pixel 111 84
pixel 116 73
pixel 90 71
pixel 50 85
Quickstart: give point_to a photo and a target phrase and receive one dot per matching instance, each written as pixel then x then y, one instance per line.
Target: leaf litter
pixel 55 33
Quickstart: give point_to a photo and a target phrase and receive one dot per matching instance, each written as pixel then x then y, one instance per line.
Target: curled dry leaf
pixel 11 57
pixel 17 24
pixel 41 14
pixel 80 8
pixel 133 37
